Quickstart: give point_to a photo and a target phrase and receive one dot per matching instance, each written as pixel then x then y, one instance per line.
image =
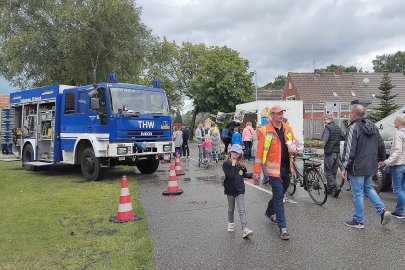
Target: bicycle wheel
pixel 293 185
pixel 316 187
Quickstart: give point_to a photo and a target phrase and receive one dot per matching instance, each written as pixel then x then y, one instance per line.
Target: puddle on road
pixel 205 178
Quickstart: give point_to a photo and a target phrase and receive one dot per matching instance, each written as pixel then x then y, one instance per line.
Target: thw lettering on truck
pixel 146 124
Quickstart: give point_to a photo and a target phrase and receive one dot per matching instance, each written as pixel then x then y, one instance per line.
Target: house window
pixel 353 93
pixel 334 94
pixel 372 95
pixel 290 97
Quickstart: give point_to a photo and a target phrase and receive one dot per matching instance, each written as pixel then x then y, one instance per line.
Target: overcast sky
pixel 280 36
pixel 277 37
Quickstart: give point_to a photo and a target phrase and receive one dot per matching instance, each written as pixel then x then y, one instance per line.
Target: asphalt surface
pixel 189 231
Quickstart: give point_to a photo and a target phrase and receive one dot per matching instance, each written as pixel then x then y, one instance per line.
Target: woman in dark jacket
pixel 234 186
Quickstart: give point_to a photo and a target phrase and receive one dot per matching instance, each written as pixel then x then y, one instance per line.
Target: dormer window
pixel 353 93
pixel 372 95
pixel 334 94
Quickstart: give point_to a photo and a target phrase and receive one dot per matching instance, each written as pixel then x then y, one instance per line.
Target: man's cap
pixel 276 109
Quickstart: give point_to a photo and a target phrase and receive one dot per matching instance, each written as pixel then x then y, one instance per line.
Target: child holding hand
pixel 234 186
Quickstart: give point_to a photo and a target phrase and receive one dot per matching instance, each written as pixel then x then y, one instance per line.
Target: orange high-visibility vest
pixel 269 150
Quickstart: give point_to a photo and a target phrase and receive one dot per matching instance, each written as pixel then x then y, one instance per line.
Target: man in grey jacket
pixel 363 148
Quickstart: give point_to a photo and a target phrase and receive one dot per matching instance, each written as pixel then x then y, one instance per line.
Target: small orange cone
pixel 172 186
pixel 125 212
pixel 178 169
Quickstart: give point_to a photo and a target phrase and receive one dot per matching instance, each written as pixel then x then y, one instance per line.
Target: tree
pixel 333 68
pixel 278 83
pixel 221 82
pixel 386 100
pixel 174 66
pixel 45 42
pixel 390 62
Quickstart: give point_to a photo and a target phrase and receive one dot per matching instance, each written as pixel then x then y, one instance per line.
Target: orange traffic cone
pixel 125 212
pixel 178 169
pixel 172 186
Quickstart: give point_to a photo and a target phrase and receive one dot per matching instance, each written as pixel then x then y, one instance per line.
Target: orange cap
pixel 276 109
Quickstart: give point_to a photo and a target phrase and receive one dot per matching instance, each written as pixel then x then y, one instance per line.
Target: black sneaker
pixel 272 218
pixel 395 215
pixel 354 224
pixel 336 193
pixel 284 234
pixel 385 217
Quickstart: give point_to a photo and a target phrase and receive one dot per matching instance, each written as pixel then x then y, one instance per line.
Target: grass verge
pixel 55 219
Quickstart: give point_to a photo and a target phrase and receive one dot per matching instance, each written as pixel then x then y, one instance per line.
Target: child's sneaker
pixel 231 227
pixel 247 233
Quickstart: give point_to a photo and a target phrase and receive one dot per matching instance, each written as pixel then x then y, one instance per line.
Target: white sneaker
pixel 231 227
pixel 247 233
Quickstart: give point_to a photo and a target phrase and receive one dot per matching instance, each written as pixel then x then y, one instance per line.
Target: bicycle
pixel 310 178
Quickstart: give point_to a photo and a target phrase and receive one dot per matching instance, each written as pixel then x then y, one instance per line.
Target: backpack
pixel 225 133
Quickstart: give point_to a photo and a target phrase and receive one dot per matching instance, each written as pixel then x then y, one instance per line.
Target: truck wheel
pixel 386 181
pixel 378 181
pixel 90 165
pixel 148 166
pixel 28 156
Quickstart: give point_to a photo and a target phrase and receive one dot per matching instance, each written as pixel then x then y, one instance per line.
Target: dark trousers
pixel 186 150
pixel 275 206
pixel 227 141
pixel 248 149
pixel 331 164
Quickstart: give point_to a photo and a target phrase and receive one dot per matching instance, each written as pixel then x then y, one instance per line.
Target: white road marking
pixel 268 191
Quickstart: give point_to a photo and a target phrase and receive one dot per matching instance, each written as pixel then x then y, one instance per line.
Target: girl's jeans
pixel 240 201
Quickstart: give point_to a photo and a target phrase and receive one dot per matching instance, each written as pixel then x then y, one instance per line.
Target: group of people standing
pixel 363 153
pixel 181 138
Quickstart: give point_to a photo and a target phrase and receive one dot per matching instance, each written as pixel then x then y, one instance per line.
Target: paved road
pixel 190 231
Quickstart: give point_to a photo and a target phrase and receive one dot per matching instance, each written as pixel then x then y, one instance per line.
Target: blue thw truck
pixel 93 126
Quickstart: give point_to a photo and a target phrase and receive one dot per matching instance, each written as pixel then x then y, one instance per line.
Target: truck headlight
pixel 122 151
pixel 167 148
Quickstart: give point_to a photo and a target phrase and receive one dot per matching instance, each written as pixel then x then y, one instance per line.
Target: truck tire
pixel 386 181
pixel 28 156
pixel 90 165
pixel 148 166
pixel 378 181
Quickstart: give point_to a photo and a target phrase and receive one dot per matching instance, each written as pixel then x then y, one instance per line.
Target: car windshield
pixel 134 101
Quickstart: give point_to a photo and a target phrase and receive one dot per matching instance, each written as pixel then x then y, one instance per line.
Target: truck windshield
pixel 134 101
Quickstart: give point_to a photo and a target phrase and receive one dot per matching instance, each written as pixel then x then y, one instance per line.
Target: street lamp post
pixel 256 83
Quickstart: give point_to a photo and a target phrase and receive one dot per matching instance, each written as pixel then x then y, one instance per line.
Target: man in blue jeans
pixel 363 148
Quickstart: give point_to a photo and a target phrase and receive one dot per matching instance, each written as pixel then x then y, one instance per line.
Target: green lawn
pixel 55 220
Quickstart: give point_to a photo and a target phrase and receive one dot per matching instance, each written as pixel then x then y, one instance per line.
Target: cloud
pixel 281 36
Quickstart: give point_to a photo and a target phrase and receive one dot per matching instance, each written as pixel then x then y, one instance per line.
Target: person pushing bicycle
pixel 275 149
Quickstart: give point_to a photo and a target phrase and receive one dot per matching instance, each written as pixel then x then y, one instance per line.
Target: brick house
pixel 325 91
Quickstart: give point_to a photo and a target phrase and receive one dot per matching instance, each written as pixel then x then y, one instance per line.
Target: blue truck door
pixel 71 122
pixel 96 122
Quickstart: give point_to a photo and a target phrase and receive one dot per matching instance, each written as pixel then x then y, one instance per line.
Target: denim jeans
pixel 363 185
pixel 279 186
pixel 398 186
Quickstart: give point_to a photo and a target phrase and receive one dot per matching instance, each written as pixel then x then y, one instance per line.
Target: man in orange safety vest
pixel 275 150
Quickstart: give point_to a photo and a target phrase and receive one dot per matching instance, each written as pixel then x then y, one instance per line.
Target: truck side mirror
pixel 95 104
pixel 381 127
